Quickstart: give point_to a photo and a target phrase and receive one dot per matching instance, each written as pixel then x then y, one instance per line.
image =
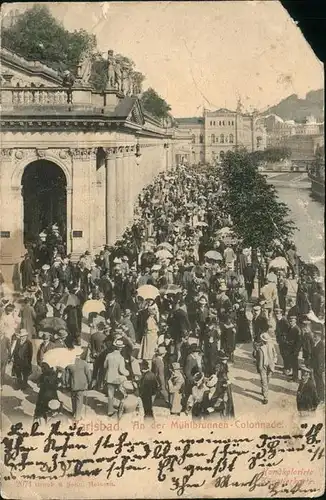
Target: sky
pixel 204 54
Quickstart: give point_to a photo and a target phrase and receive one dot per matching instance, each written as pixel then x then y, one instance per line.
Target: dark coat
pixel 22 356
pixel 307 399
pixel 27 272
pixel 259 326
pixel 48 383
pixel 96 343
pixel 191 367
pixel 28 318
pixel 179 325
pixel 148 385
pixel 78 376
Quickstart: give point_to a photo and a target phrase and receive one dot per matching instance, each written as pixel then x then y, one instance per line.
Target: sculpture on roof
pixel 111 70
pixel 85 68
pixel 126 80
pixel 118 75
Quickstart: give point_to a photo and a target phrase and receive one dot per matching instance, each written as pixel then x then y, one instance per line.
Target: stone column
pixel 110 198
pixel 126 185
pixel 119 192
pixel 132 183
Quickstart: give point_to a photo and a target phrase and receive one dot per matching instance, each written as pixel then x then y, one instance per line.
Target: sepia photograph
pixel 162 252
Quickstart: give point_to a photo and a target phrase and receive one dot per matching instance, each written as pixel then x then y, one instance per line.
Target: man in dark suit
pixel 178 323
pixel 46 346
pixel 22 359
pixel 148 387
pixel 294 344
pixel 113 312
pixel 159 370
pixel 281 331
pixel 307 399
pixel 318 364
pixel 78 379
pixel 249 274
pixel 96 346
pixel 193 364
pixel 259 323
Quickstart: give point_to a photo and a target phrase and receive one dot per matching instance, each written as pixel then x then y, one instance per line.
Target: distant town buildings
pixel 217 132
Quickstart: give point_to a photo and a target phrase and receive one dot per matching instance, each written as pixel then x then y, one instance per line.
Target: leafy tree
pixel 258 215
pixel 155 104
pixel 37 35
pixel 272 155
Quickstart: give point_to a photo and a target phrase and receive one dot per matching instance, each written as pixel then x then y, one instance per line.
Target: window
pixel 220 123
pixel 222 154
pixel 201 138
pixel 213 138
pixel 232 122
pixel 222 138
pixel 223 122
pixel 214 124
pixel 231 138
pixel 193 138
pixel 229 123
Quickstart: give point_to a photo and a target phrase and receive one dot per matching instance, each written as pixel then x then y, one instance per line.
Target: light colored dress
pixel 149 340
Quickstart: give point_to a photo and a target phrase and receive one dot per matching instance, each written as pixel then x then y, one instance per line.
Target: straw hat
pixel 212 381
pixel 265 337
pixel 23 333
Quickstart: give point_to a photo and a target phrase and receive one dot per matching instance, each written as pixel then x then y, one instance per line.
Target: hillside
pixel 293 108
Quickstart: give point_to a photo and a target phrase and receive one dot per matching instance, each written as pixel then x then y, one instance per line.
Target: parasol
pixel 212 254
pixel 148 292
pixel 278 262
pixel 201 224
pixel 166 245
pixel 93 306
pixel 53 324
pixel 171 290
pixel 61 356
pixel 164 254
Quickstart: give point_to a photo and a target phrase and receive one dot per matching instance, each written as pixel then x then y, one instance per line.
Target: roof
pixel 193 120
pixel 33 67
pixel 124 107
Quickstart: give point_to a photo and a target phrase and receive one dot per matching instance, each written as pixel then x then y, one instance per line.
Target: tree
pixel 155 104
pixel 259 217
pixel 38 36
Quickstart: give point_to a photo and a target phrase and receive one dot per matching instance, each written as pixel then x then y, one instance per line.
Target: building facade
pixel 220 131
pixel 73 157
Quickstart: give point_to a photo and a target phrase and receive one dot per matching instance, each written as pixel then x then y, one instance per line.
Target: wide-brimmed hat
pixel 117 260
pixel 176 366
pixel 118 343
pixel 62 334
pixel 198 377
pixel 156 267
pixel 23 333
pixel 304 369
pixel 256 308
pixel 194 348
pixel 45 267
pixel 212 381
pixel 265 337
pixel 223 288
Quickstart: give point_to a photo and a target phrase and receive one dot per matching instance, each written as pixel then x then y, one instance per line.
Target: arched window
pixel 232 122
pixel 231 138
pixel 223 122
pixel 201 138
pixel 220 122
pixel 213 138
pixel 193 138
pixel 214 124
pixel 222 138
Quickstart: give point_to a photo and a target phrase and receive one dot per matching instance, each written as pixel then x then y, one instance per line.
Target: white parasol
pixel 148 292
pixel 278 262
pixel 164 254
pixel 61 356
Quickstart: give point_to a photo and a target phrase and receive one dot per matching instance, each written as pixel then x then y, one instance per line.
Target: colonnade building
pixel 74 157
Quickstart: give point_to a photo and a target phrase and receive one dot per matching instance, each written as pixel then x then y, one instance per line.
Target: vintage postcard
pixel 161 252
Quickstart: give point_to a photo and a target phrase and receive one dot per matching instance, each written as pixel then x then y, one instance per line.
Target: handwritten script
pixel 184 464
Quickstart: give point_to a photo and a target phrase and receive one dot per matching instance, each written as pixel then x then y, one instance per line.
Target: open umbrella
pixel 164 254
pixel 201 224
pixel 93 306
pixel 53 324
pixel 61 356
pixel 278 262
pixel 166 245
pixel 212 254
pixel 171 290
pixel 148 292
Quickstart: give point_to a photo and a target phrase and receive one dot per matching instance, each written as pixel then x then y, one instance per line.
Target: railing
pixel 38 96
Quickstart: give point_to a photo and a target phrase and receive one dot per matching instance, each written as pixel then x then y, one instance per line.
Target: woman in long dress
pixel 48 384
pixel 149 339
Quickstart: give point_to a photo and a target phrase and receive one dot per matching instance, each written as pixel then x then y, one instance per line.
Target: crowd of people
pixel 165 309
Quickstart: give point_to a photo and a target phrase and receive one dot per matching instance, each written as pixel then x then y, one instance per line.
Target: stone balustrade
pixel 38 96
